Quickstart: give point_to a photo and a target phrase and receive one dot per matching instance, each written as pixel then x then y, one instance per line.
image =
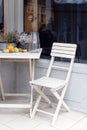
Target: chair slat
pixel 63 50
pixel 62 55
pixel 60 68
pixel 72 45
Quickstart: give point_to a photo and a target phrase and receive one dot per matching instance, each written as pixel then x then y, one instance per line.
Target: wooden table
pixel 17 57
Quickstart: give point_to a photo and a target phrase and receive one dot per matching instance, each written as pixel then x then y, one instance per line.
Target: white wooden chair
pixel 61 50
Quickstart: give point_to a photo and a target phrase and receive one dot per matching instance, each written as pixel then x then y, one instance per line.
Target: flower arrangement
pixel 29 41
pixel 25 38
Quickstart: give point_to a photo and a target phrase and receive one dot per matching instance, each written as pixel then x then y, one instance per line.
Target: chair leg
pixel 36 105
pixel 42 94
pixel 58 97
pixel 66 107
pixel 56 112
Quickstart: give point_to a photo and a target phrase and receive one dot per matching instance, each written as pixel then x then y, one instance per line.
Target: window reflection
pixel 57 22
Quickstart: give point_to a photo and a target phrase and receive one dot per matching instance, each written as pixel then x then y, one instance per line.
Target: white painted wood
pixel 31 65
pixel 49 68
pixel 59 98
pixel 62 55
pixel 15 106
pixel 68 45
pixel 63 50
pixel 45 112
pixel 58 67
pixel 52 83
pixel 20 55
pixel 37 104
pixel 17 94
pixel 41 93
pixel 49 82
pixel 2 90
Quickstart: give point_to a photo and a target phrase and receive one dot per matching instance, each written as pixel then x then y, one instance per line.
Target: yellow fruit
pixel 16 49
pixel 10 47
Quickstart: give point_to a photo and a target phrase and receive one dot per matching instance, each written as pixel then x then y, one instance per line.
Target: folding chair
pixel 64 51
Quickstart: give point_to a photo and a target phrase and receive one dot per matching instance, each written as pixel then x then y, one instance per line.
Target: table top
pixel 34 54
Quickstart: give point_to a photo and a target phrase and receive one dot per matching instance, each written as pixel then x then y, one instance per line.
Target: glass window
pixel 57 22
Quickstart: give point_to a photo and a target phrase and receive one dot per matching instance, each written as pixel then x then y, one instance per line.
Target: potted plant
pixel 8 38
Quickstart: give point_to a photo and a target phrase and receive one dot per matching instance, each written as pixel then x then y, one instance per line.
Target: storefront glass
pixel 57 22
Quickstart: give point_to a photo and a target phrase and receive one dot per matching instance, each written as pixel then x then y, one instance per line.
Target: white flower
pixel 25 38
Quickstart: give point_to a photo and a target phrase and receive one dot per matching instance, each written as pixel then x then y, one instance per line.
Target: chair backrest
pixel 62 50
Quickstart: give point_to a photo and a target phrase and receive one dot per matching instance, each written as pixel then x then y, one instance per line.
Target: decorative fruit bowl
pixel 12 49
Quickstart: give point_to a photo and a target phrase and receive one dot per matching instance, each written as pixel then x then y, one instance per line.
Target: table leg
pixel 1 85
pixel 32 66
pixel 2 90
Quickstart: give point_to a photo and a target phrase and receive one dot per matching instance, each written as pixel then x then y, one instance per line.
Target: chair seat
pixel 49 82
